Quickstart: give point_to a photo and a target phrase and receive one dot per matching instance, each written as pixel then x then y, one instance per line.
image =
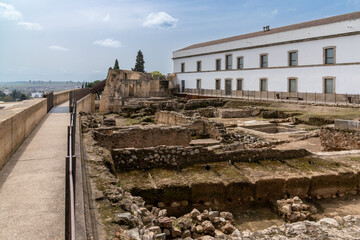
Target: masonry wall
pixel 174 157
pixel 15 128
pixel 171 118
pixel 60 97
pixel 86 104
pixel 139 137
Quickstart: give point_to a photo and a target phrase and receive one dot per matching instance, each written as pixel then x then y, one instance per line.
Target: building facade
pixel 321 56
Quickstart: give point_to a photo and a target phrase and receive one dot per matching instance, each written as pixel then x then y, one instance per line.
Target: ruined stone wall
pixel 337 139
pixel 203 103
pixel 139 137
pixel 171 118
pixel 174 157
pixel 234 113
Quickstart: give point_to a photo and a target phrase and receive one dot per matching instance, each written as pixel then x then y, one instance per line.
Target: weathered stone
pixel 227 216
pixel 199 229
pixel 167 232
pixel 133 234
pixel 213 214
pixel 175 232
pixel 161 236
pixel 162 213
pixel 228 228
pixel 149 236
pixel 126 219
pixel 184 223
pixel 208 227
pixel 194 213
pixel 155 229
pixel 186 234
pixel 165 222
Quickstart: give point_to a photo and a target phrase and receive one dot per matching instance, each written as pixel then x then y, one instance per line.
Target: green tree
pixel 90 85
pixel 15 94
pixel 139 65
pixel 23 97
pixel 116 65
pixel 157 74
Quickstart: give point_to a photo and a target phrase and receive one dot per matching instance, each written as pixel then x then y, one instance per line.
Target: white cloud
pixel 9 12
pixel 274 12
pixel 108 43
pixel 31 26
pixel 106 18
pixel 353 2
pixel 160 20
pixel 58 48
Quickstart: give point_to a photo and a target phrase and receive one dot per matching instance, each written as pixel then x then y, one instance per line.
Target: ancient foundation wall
pixel 15 128
pixel 234 113
pixel 139 137
pixel 171 118
pixel 174 157
pixel 86 104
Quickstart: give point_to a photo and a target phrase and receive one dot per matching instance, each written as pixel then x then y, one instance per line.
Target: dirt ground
pixel 311 144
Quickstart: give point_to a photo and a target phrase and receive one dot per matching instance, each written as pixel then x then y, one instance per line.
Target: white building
pixel 321 56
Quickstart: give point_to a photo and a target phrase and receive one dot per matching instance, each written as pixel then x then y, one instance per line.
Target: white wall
pixel 310 79
pixel 310 71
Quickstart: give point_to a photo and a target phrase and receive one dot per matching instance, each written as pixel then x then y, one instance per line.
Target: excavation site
pixel 178 168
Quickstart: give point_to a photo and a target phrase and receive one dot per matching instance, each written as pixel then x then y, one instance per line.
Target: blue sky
pixel 79 40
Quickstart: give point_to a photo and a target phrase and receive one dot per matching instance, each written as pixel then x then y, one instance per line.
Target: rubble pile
pixel 294 210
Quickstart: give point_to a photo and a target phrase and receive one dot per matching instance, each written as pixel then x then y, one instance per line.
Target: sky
pixel 78 40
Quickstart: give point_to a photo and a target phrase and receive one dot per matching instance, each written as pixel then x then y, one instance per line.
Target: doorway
pixel 228 86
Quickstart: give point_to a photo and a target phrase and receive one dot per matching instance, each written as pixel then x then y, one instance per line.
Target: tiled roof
pixel 329 20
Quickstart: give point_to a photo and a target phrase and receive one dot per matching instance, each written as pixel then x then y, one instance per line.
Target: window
pixel 198 83
pixel 218 64
pixel 228 62
pixel 240 63
pixel 263 84
pixel 329 55
pixel 292 84
pixel 217 84
pixel 329 85
pixel 198 66
pixel 182 67
pixel 239 84
pixel 293 58
pixel 263 60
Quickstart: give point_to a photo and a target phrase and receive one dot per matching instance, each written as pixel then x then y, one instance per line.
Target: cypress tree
pixel 139 65
pixel 116 65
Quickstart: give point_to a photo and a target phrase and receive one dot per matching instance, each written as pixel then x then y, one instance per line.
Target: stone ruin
pixel 167 182
pixel 124 84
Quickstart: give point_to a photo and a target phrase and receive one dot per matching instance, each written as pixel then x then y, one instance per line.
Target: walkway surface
pixel 32 183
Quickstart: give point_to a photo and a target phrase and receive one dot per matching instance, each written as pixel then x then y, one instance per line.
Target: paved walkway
pixel 32 183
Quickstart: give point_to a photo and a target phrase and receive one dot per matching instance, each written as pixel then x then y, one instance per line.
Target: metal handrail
pixel 70 175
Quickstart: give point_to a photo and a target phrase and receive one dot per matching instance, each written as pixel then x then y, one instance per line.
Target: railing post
pixel 67 200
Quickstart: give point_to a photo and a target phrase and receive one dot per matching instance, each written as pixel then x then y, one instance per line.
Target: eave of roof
pixel 314 23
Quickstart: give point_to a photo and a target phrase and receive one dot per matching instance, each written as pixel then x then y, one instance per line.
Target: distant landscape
pixel 32 89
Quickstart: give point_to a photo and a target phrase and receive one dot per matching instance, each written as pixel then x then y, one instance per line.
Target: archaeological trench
pixel 223 169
